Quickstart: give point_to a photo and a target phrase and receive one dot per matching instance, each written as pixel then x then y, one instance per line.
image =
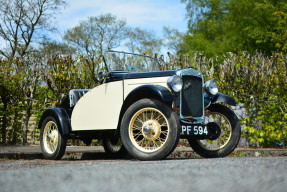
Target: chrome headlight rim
pixel 175 83
pixel 211 87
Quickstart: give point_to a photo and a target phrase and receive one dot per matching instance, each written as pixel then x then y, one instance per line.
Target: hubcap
pixel 50 137
pixel 151 130
pixel 148 129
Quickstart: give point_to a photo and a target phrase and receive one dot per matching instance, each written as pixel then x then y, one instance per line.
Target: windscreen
pixel 122 61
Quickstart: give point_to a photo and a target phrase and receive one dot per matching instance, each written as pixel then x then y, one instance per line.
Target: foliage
pixel 221 29
pixel 172 39
pixel 54 48
pixel 61 75
pixel 30 85
pixel 260 84
pixel 142 41
pixel 11 76
pixel 21 21
pixel 257 82
pixel 104 32
pixel 220 26
pixel 97 34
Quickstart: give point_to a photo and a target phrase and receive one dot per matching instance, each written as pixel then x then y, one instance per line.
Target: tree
pixel 206 22
pixel 63 73
pixel 142 41
pixel 11 95
pixel 97 34
pixel 173 39
pixel 280 36
pixel 21 21
pixel 255 25
pixel 56 48
pixel 220 26
pixel 32 68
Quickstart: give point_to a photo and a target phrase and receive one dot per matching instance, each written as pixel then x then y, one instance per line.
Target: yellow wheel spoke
pixel 164 133
pixel 137 127
pixel 136 136
pixel 50 135
pixel 226 132
pixel 139 120
pixel 159 118
pixel 146 129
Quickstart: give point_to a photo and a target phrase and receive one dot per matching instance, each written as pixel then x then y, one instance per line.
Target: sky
pixel 150 15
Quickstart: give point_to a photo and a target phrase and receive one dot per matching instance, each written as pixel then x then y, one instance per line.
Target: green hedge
pixel 257 82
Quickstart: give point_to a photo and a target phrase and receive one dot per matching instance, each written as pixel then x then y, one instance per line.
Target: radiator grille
pixel 192 97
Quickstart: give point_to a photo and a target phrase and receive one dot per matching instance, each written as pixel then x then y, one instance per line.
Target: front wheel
pixel 149 130
pixel 53 144
pixel 229 136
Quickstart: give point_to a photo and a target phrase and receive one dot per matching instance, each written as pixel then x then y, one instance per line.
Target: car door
pixel 99 109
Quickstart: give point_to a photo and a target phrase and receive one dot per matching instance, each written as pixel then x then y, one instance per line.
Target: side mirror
pixel 102 75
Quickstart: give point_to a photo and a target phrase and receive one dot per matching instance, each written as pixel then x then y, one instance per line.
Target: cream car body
pixel 99 108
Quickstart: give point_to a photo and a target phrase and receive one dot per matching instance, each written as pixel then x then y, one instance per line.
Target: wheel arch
pixel 146 91
pixel 62 118
pixel 223 98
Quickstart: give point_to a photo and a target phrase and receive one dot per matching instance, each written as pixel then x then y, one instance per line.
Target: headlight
pixel 211 87
pixel 175 83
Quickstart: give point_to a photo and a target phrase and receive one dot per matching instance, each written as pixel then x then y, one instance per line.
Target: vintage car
pixel 143 111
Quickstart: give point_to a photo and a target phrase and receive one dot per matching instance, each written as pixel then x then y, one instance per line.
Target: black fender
pixel 62 118
pixel 219 98
pixel 151 91
pixel 146 91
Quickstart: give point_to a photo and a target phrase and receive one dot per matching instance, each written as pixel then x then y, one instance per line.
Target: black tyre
pixel 228 139
pixel 149 130
pixel 114 147
pixel 53 144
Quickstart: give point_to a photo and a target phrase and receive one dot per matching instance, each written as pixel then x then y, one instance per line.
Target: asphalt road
pixel 224 174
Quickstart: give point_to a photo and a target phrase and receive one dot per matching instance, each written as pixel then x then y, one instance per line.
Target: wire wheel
pixel 53 144
pixel 226 132
pixel 148 129
pixel 229 136
pixel 114 147
pixel 51 137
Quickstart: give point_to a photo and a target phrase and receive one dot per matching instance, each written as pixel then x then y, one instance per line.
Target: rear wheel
pixel 229 136
pixel 53 144
pixel 149 130
pixel 114 147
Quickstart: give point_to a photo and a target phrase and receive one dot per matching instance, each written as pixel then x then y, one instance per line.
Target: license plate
pixel 200 130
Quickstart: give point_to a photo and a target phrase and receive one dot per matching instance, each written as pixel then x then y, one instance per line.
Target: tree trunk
pixel 15 127
pixel 4 125
pixel 4 99
pixel 26 122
